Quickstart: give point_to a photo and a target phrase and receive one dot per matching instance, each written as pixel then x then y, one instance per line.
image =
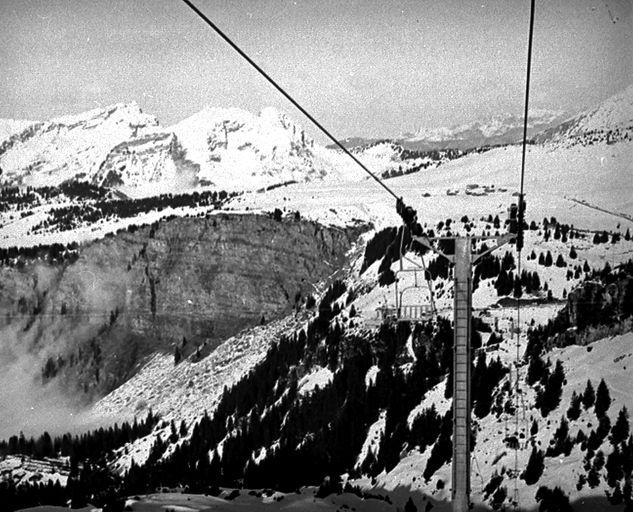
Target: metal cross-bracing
pixel 461 374
pixel 463 260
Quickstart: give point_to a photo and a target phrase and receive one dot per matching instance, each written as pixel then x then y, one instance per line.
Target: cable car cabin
pixel 404 313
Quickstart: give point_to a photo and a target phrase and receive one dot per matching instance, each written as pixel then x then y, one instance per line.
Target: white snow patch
pixel 318 377
pixel 370 377
pixel 372 441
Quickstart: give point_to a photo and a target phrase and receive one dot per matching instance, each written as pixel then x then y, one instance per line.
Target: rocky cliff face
pixel 189 282
pixel 595 302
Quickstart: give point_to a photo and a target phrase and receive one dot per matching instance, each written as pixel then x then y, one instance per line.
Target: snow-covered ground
pixel 17 232
pixel 159 384
pixel 556 180
pixel 318 378
pixel 610 359
pixel 255 501
pixel 28 471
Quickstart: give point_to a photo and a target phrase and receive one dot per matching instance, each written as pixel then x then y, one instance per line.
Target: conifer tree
pixel 588 396
pixel 581 439
pixel 553 500
pixel 562 442
pixel 548 259
pixel 614 467
pixel 593 478
pixel 536 369
pixel 410 506
pixel 627 457
pixel 498 497
pixel 603 399
pixel 442 449
pixel 627 495
pixel 620 431
pixel 616 497
pixel 604 426
pixel 573 413
pixel 534 428
pixel 549 398
pixel 593 441
pixel 534 468
pixel 598 461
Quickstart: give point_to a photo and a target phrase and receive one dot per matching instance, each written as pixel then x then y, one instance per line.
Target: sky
pixel 372 68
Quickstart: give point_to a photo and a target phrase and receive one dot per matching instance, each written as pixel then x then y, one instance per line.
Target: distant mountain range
pixel 497 130
pixel 611 121
pixel 228 148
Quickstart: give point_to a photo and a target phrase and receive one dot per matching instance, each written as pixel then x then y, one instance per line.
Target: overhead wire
pixel 287 95
pixel 519 247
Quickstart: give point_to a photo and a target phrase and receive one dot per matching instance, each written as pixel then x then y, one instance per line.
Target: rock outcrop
pixel 184 282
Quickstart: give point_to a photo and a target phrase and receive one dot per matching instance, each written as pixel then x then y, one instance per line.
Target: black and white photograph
pixel 316 255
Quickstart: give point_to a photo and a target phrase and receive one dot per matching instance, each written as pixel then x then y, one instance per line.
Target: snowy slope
pixel 70 147
pixel 611 121
pixel 237 149
pixel 9 127
pixel 186 390
pixel 588 186
pixel 148 165
pixel 606 359
pixel 27 469
pixel 256 501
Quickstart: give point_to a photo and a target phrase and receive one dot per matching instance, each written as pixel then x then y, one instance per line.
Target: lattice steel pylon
pixel 463 260
pixel 461 374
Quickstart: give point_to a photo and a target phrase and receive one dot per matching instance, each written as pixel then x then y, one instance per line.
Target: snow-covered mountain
pixel 611 121
pixel 500 129
pixel 70 147
pixel 497 130
pixel 124 148
pixel 237 149
pixel 9 127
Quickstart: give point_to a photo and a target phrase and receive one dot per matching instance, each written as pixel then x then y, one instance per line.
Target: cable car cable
pixel 286 94
pixel 519 247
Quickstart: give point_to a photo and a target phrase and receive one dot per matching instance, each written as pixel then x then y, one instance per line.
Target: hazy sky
pixel 363 67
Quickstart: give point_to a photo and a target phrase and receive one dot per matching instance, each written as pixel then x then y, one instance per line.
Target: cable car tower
pixel 463 260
